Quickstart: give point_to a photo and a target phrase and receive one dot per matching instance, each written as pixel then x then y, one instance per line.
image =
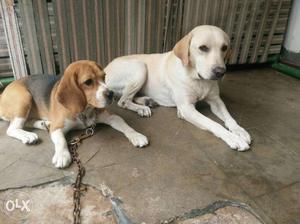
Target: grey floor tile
pixel 24 173
pixel 283 205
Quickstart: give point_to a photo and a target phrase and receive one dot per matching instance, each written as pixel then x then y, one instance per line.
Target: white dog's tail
pixel 0 109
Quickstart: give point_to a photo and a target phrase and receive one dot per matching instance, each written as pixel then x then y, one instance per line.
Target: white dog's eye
pixel 224 48
pixel 204 48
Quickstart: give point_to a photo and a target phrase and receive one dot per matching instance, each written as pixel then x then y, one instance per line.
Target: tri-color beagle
pixel 75 100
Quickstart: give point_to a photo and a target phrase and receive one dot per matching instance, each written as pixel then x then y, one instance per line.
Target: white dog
pixel 180 78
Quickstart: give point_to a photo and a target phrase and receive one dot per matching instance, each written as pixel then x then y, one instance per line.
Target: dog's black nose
pixel 110 95
pixel 219 72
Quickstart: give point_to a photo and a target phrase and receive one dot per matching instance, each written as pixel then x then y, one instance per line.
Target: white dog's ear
pixel 228 55
pixel 181 49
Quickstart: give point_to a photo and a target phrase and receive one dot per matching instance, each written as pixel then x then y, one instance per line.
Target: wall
pixel 291 46
pixel 55 32
pixel 5 66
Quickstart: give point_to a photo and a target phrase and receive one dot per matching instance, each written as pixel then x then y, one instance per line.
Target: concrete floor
pixel 186 168
pixel 53 203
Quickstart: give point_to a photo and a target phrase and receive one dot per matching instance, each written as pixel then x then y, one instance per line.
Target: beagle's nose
pixel 110 94
pixel 219 72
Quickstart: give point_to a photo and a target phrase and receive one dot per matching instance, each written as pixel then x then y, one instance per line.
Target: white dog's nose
pixel 219 72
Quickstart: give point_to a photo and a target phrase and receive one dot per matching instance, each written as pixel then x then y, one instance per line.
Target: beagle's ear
pixel 69 94
pixel 99 66
pixel 181 49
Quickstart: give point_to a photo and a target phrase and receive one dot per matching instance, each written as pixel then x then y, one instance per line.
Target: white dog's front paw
pixel 61 158
pixel 239 131
pixel 29 137
pixel 144 111
pixel 138 140
pixel 236 142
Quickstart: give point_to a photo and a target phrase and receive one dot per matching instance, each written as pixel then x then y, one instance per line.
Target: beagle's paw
pixel 29 137
pixel 144 111
pixel 138 140
pixel 239 131
pixel 61 158
pixel 236 142
pixel 25 136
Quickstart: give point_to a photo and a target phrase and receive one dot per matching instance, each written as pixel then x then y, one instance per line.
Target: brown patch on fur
pixel 181 49
pixel 16 101
pixel 228 54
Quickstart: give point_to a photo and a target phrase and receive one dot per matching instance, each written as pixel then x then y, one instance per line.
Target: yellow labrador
pixel 179 78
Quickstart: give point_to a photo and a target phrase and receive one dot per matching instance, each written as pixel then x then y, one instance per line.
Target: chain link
pixel 78 187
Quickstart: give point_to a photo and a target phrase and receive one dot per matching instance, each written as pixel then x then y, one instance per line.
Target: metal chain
pixel 78 187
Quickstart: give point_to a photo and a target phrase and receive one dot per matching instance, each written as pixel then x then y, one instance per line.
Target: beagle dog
pixel 179 78
pixel 75 100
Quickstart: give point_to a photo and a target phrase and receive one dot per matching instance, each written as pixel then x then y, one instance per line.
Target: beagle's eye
pixel 224 48
pixel 204 48
pixel 89 82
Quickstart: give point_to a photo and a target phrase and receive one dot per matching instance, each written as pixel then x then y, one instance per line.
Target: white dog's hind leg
pixel 218 108
pixel 127 80
pixel 15 130
pixel 137 139
pixel 127 97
